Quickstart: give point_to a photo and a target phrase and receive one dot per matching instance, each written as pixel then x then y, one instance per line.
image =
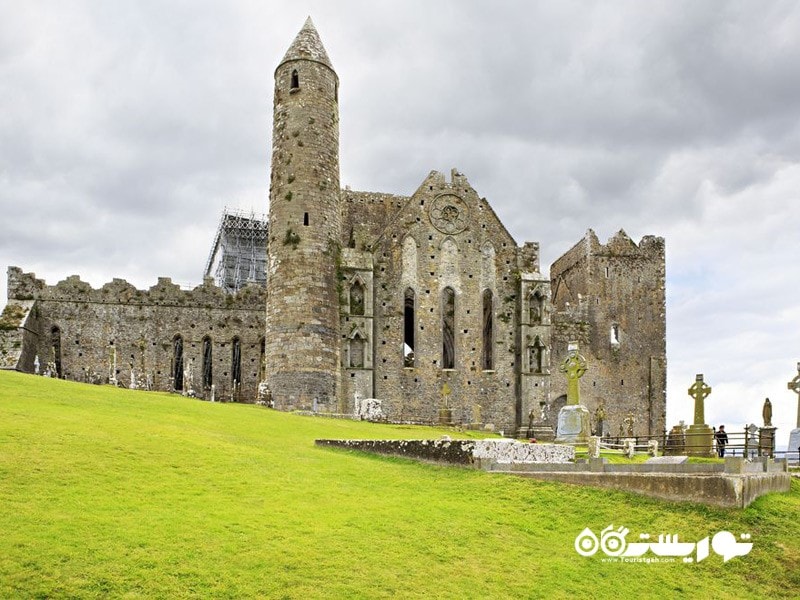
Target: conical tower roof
pixel 308 46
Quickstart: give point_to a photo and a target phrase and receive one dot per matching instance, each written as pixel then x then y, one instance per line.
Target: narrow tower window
pixel 448 328
pixel 236 364
pixel 357 299
pixel 305 219
pixel 295 80
pixel 487 356
pixel 408 327
pixel 615 334
pixel 208 368
pixel 177 363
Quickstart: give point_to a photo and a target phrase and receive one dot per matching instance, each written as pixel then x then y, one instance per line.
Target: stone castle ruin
pixel 422 302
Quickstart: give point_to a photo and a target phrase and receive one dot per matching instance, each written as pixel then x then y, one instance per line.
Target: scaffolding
pixel 239 253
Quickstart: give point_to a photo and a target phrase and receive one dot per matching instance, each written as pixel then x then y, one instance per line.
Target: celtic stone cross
pixel 794 385
pixel 699 391
pixel 574 366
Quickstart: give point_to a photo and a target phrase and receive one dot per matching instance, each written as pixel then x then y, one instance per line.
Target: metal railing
pixel 739 443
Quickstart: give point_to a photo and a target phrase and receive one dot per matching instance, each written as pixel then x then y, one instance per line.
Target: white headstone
pixel 794 444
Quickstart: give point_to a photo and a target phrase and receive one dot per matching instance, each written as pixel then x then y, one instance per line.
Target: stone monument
pixel 751 441
pixel 600 419
pixel 766 434
pixel 629 421
pixel 699 437
pixel 445 412
pixel 794 435
pixel 476 422
pixel 573 419
pixel 676 440
pixel 538 427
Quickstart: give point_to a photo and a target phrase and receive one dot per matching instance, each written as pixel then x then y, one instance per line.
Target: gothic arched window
pixel 357 299
pixel 208 364
pixel 236 362
pixel 262 361
pixel 448 328
pixel 55 344
pixel 177 363
pixel 536 308
pixel 487 353
pixel 357 346
pixel 409 301
pixel 536 357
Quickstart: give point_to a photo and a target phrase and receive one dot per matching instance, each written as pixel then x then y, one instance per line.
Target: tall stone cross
pixel 699 391
pixel 574 366
pixel 794 385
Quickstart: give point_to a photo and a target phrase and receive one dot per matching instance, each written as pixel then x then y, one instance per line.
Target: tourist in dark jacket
pixel 722 440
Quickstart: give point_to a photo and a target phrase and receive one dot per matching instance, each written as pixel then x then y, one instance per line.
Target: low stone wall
pixel 502 452
pixel 478 453
pixel 734 484
pixel 730 491
pixel 457 452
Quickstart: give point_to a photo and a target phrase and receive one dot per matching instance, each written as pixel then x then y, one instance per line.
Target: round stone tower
pixel 302 323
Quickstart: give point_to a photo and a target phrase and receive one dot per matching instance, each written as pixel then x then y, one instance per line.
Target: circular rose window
pixel 448 214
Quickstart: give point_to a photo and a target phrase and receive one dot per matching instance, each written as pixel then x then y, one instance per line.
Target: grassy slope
pixel 111 492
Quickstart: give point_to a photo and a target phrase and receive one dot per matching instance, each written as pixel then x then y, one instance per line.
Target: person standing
pixel 722 440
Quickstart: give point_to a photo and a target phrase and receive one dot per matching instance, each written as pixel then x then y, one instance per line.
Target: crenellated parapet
pixel 25 286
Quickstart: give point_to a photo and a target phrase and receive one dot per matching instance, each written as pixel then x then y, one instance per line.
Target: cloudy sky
pixel 126 127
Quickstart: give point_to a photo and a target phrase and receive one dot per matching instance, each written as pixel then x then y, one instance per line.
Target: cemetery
pixel 667 475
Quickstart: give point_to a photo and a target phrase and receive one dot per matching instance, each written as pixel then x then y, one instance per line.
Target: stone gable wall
pixel 479 255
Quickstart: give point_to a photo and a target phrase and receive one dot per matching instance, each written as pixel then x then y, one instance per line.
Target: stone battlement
pixel 618 245
pixel 25 286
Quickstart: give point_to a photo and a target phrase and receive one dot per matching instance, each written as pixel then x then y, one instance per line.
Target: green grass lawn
pixel 113 493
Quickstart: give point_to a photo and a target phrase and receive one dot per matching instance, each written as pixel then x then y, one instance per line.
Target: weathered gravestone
pixel 676 440
pixel 594 446
pixel 445 412
pixel 752 440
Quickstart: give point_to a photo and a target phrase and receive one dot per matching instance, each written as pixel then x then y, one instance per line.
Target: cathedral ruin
pixel 423 302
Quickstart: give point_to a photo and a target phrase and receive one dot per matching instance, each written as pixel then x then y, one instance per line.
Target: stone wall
pixel 119 332
pixel 17 350
pixel 611 299
pixel 365 215
pixel 482 454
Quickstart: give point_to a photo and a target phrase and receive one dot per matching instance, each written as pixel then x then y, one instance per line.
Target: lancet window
pixel 448 328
